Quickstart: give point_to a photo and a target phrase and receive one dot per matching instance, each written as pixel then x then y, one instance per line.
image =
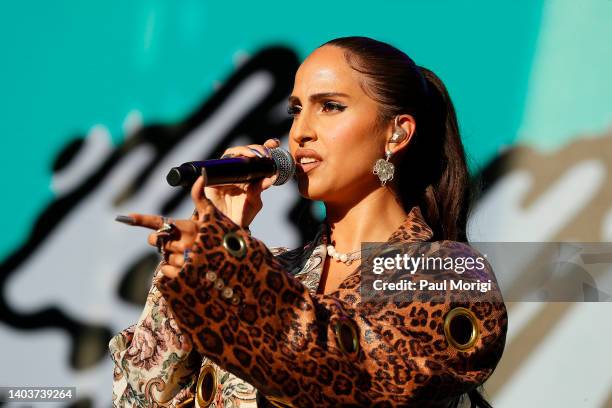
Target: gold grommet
pixel 207 386
pixel 461 328
pixel 346 335
pixel 234 244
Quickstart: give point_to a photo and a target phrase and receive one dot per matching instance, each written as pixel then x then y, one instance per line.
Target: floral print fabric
pixel 154 362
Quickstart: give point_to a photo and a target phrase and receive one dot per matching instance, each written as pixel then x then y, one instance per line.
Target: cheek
pixel 342 130
pixel 353 142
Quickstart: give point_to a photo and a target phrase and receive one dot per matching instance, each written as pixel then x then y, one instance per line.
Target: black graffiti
pixel 257 125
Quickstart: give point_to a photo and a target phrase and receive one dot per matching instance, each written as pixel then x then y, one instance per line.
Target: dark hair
pixel 432 172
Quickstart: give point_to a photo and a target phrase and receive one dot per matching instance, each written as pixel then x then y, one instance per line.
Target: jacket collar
pixel 412 229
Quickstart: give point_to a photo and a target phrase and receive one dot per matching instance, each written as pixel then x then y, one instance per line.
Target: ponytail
pixel 446 200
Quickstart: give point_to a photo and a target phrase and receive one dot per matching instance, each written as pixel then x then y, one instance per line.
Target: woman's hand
pixel 176 243
pixel 241 202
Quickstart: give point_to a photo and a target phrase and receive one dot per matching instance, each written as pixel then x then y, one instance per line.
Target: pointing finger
pixel 154 222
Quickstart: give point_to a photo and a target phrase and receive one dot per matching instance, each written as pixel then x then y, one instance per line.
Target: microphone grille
pixel 284 163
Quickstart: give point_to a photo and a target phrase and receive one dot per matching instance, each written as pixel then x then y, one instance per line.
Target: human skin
pixel 336 121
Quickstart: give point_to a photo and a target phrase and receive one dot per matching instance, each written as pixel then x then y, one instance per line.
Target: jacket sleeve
pixel 247 314
pixel 154 363
pixel 153 360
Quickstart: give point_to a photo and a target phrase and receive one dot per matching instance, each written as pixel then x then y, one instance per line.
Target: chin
pixel 310 190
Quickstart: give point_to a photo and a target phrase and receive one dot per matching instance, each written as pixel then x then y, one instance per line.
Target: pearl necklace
pixel 347 258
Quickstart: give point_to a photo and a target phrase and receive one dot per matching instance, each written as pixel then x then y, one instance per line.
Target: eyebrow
pixel 318 96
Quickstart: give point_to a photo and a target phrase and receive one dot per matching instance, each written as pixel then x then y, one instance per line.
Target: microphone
pixel 235 169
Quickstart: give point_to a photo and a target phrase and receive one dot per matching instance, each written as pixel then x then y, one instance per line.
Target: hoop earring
pixel 384 169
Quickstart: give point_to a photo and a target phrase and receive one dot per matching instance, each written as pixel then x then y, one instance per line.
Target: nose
pixel 301 131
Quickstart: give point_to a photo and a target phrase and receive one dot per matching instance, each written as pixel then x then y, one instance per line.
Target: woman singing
pixel 231 323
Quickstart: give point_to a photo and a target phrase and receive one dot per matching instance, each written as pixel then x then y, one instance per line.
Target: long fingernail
pixel 255 151
pixel 125 219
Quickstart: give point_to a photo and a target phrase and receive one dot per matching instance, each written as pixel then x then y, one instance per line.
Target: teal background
pixel 522 73
pixel 69 65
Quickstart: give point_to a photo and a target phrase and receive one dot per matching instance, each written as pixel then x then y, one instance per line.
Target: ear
pixel 408 125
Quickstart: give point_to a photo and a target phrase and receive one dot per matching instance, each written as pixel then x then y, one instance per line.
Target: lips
pixel 306 160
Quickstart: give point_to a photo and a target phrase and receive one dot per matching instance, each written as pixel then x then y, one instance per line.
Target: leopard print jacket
pixel 254 322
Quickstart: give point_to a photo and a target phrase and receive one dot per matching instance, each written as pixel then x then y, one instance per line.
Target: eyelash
pixel 329 105
pixel 335 106
pixel 293 110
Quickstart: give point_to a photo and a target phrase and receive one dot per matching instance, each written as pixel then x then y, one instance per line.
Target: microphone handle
pixel 222 171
